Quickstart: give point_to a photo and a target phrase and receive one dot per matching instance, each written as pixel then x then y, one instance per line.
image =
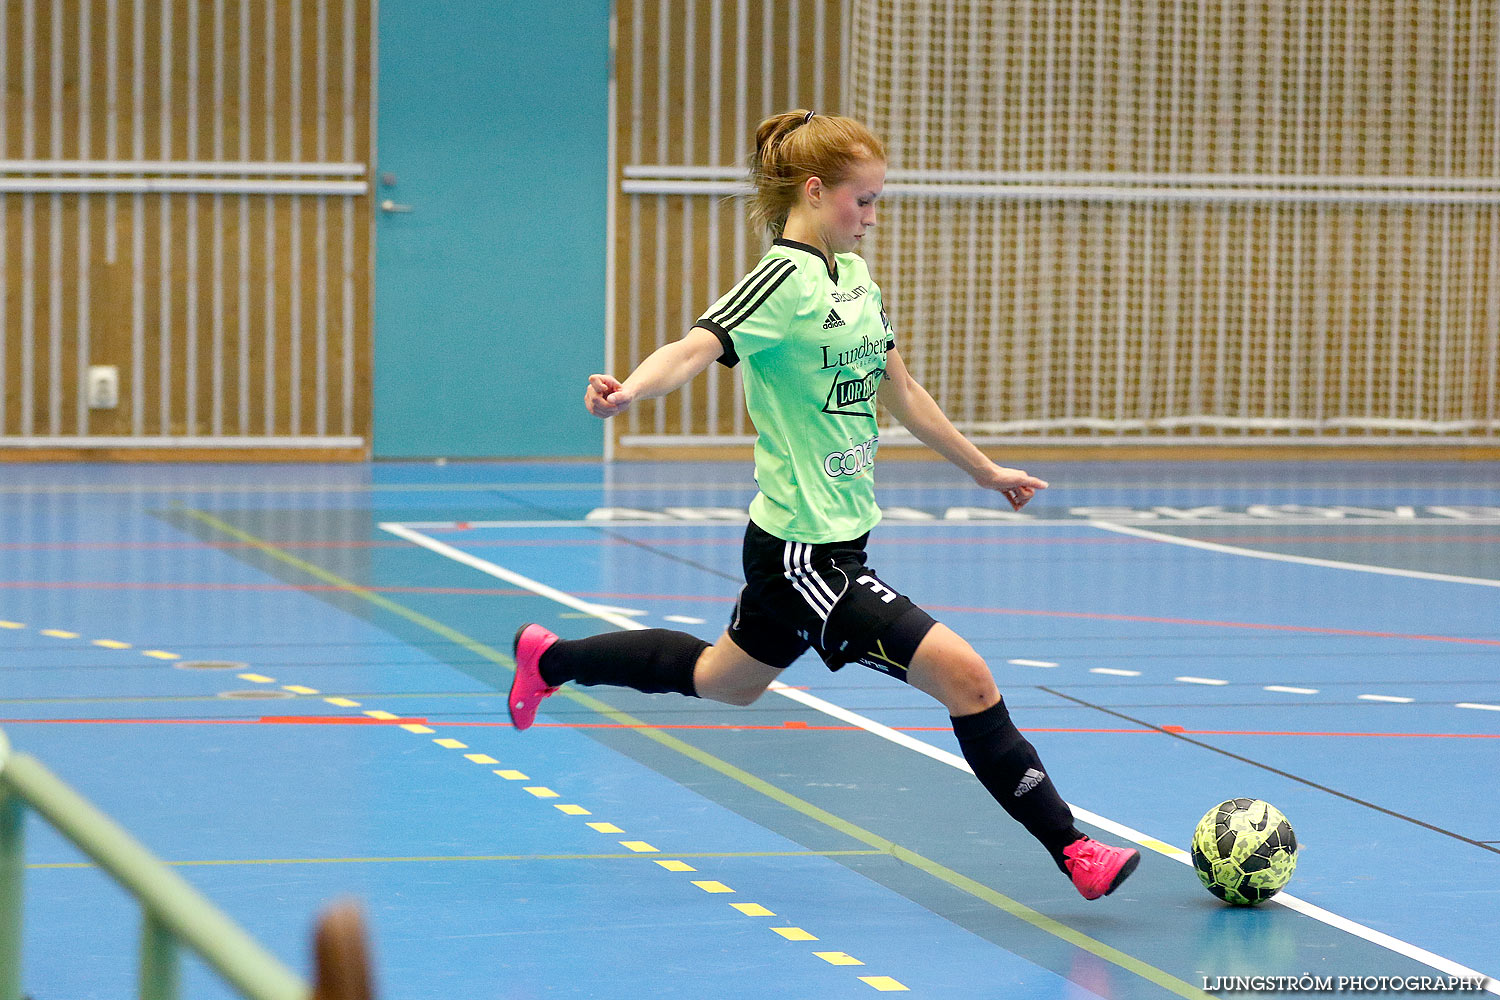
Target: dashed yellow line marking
pixel 481 758
pixel 342 702
pixel 57 633
pixel 454 858
pixel 11 625
pixel 111 644
pixel 752 909
pixel 518 776
pixel 448 743
pixel 639 847
pixel 677 866
pixel 884 984
pixel 414 727
pixel 794 934
pixel 541 792
pixel 571 810
pixel 378 713
pixel 837 958
pixel 256 678
pixel 299 689
pixel 160 654
pixel 605 828
pixel 710 886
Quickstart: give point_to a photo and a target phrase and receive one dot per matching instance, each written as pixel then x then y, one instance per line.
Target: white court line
pixel 1235 550
pixel 1015 521
pixel 1430 959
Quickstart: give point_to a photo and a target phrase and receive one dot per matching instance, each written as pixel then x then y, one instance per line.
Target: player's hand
pixel 1015 485
pixel 605 396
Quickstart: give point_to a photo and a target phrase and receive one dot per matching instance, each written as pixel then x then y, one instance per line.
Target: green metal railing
pixel 173 913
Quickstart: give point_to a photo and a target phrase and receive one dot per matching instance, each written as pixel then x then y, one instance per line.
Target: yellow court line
pixel 884 984
pixel 962 882
pixel 709 885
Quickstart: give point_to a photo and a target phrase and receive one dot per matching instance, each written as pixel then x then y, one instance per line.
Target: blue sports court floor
pixel 289 682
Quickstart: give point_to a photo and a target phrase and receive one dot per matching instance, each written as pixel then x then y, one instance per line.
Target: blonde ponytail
pixel 795 145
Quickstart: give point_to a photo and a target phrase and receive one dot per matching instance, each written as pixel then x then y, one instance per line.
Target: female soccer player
pixel 810 327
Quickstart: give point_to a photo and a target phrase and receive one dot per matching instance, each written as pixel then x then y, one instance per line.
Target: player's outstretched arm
pixel 667 369
pixel 919 413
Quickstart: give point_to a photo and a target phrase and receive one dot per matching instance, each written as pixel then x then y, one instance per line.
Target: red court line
pixel 252 587
pixel 721 599
pixel 1259 626
pixel 794 726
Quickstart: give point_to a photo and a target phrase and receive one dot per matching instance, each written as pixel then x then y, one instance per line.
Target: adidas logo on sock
pixel 833 320
pixel 1030 780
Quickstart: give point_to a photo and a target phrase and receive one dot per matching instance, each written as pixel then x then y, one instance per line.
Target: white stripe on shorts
pixel 797 559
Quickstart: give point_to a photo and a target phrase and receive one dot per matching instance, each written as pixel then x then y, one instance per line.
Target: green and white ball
pixel 1244 851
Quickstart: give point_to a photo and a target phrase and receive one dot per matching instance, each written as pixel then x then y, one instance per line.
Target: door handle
pixel 388 206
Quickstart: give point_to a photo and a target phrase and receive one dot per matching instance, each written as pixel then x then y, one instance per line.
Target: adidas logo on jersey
pixel 1030 780
pixel 833 320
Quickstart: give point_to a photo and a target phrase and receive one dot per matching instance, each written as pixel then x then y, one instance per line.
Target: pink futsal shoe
pixel 528 689
pixel 1098 869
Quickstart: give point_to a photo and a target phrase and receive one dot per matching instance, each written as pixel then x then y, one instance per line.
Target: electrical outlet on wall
pixel 104 387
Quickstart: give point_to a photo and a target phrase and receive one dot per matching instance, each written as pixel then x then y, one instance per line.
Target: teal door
pixel 492 162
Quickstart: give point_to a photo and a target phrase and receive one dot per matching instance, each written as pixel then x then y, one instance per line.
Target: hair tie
pixel 808 118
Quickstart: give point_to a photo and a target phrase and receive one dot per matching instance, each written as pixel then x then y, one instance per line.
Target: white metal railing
pixel 189 167
pixel 1105 187
pixel 179 177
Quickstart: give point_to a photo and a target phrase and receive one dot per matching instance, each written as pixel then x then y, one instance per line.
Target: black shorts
pixel 799 596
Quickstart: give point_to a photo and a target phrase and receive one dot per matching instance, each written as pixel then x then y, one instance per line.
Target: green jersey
pixel 814 347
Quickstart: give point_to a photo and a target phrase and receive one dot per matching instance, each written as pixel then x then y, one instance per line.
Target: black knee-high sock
pixel 655 661
pixel 1007 765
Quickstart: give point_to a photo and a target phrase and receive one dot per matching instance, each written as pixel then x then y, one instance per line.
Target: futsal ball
pixel 1244 851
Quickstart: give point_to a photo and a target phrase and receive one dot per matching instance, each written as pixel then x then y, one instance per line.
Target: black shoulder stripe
pixel 753 291
pixel 738 295
pixel 761 270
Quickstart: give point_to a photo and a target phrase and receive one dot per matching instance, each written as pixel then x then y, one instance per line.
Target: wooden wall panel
pixel 232 317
